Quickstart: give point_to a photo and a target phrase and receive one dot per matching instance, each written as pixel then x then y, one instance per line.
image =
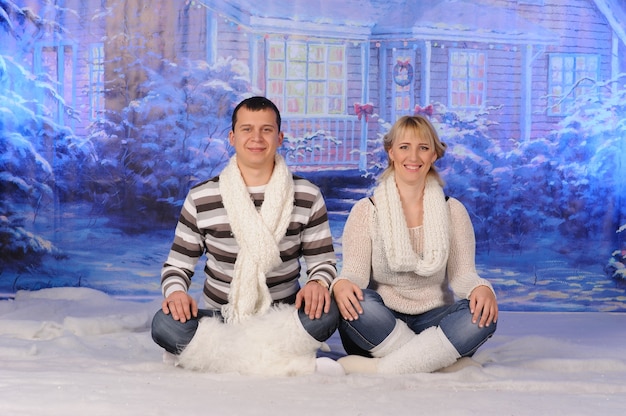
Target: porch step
pixel 341 189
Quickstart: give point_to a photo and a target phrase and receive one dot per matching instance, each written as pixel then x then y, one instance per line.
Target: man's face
pixel 256 138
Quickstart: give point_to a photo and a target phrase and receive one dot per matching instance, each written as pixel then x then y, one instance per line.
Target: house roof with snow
pixel 459 19
pixel 364 19
pixel 615 13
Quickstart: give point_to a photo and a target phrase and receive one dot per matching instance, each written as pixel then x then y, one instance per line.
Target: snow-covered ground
pixel 70 351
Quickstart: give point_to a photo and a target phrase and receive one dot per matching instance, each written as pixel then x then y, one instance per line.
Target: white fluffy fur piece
pixel 272 344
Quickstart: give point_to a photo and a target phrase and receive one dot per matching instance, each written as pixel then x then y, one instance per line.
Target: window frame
pixel 307 78
pixel 63 74
pixel 475 76
pixel 96 81
pixel 563 93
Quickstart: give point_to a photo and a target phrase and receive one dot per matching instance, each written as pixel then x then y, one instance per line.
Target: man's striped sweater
pixel 203 229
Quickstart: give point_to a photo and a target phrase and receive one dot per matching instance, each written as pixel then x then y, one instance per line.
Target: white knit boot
pixel 428 351
pixel 399 336
pixel 404 352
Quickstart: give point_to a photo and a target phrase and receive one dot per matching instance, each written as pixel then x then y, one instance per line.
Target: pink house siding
pixel 191 33
pixel 581 29
pixel 439 76
pixel 503 89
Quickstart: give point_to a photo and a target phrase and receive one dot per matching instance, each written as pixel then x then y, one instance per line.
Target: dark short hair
pixel 256 104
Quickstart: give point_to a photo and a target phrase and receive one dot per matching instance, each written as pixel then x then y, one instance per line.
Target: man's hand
pixel 483 306
pixel 316 299
pixel 348 297
pixel 181 305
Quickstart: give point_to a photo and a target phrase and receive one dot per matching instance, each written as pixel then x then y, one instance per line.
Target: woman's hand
pixel 347 295
pixel 483 306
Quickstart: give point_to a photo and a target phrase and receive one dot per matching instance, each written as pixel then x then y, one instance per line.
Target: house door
pixel 402 83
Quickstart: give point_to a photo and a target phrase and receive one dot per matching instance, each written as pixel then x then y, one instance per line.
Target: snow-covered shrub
pixel 171 137
pixel 616 266
pixel 30 140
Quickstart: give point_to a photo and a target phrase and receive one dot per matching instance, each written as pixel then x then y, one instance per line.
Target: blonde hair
pixel 418 126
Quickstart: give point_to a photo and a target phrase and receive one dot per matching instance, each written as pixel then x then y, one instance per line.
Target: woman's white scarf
pixel 257 234
pixel 436 229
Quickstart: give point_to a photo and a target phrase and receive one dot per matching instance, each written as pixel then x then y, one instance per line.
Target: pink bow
pixel 428 110
pixel 363 109
pixel 404 64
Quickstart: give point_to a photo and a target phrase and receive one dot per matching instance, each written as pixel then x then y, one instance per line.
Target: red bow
pixel 428 110
pixel 404 64
pixel 363 109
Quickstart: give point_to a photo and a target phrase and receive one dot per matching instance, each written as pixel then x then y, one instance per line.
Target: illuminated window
pixel 468 79
pixel 306 78
pixel 570 76
pixel 57 60
pixel 96 81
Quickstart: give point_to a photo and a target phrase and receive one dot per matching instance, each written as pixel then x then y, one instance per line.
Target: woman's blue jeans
pixel 377 321
pixel 174 336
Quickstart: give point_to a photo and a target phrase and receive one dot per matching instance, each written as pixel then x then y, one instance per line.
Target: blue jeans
pixel 174 336
pixel 377 321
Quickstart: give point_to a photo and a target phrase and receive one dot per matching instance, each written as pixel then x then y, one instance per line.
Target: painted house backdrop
pixel 110 110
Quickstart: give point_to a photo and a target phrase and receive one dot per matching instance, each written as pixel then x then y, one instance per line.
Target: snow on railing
pixel 321 141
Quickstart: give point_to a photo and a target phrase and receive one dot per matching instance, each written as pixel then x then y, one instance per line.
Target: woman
pixel 408 292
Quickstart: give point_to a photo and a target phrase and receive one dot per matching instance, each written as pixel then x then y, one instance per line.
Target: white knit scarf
pixel 257 234
pixel 395 233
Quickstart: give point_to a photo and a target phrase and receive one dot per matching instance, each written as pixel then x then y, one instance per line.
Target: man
pixel 253 223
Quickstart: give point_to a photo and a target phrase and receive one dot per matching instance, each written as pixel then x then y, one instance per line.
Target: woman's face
pixel 412 157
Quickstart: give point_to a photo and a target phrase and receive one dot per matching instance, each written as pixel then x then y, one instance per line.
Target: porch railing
pixel 322 141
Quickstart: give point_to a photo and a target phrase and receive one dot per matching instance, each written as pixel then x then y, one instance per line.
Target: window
pixel 570 76
pixel 96 81
pixel 306 78
pixel 468 79
pixel 58 61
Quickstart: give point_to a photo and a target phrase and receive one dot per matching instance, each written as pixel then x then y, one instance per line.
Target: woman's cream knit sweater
pixel 365 263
